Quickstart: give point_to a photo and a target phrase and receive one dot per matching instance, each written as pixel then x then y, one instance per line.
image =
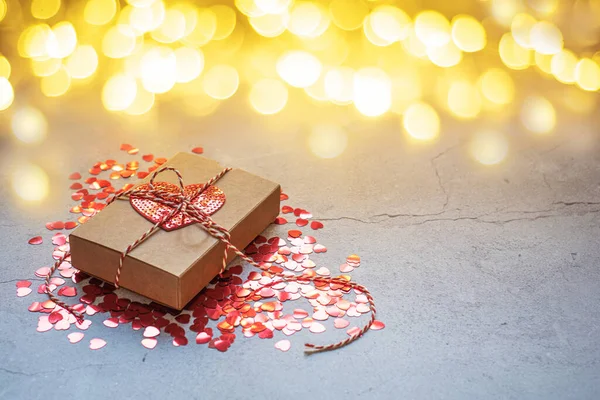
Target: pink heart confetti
pixel 75 337
pixel 96 344
pixel 23 291
pixel 377 325
pixel 283 345
pixel 317 327
pixel 42 272
pixel 341 323
pixel 151 331
pixel 149 343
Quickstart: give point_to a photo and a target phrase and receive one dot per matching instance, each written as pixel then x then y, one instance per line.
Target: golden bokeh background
pixel 422 61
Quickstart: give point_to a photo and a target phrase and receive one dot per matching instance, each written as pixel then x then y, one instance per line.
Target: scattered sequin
pixel 232 305
pixel 283 345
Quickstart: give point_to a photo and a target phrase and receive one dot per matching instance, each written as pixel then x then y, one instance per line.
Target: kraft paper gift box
pixel 171 267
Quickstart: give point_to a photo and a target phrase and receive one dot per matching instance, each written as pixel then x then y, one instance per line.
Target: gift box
pixel 172 266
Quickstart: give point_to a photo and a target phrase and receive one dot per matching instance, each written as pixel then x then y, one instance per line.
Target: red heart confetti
pixel 316 225
pixel 198 150
pixel 36 240
pixel 75 175
pixel 230 300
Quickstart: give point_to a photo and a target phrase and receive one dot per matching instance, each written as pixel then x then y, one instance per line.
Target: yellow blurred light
pixel 190 14
pixel 299 68
pixel 249 8
pixel 273 6
pixel 414 46
pixel 464 100
pixel 445 56
pixel 543 62
pixel 390 23
pixel 56 84
pixel 406 89
pixel 497 86
pixel 544 7
pixel 83 62
pixel 421 121
pixel 142 103
pixel 348 14
pixel 563 66
pixel 7 94
pixel 63 40
pixel 372 91
pixel 221 82
pixel 44 9
pixel 3 9
pixel 190 63
pixel 521 29
pixel 119 41
pixel 158 69
pixel 489 147
pixel 33 41
pixel 327 141
pixel 504 11
pixel 30 182
pixel 226 20
pixel 100 12
pixel 513 55
pixel 324 22
pixel 119 92
pixel 268 96
pixel 538 115
pixel 339 85
pixel 468 33
pixel 270 25
pixel 29 125
pixel 141 3
pixel 546 38
pixel 587 74
pixel 371 35
pixel 317 91
pixel 146 19
pixel 305 18
pixel 172 28
pixel 5 68
pixel 432 28
pixel 204 30
pixel 45 66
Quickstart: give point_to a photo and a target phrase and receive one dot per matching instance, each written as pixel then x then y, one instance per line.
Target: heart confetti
pixel 36 240
pixel 96 344
pixel 283 345
pixel 229 304
pixel 75 337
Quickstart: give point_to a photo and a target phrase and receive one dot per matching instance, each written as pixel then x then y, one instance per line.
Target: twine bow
pixel 183 204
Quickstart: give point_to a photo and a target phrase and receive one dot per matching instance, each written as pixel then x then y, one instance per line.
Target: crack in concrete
pixel 437 173
pixel 18 279
pixel 477 218
pixel 10 371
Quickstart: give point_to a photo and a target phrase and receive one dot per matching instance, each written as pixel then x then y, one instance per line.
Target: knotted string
pixel 182 203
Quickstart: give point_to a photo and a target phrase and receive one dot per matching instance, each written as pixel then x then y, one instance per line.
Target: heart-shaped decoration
pixel 209 201
pixel 283 345
pixel 75 337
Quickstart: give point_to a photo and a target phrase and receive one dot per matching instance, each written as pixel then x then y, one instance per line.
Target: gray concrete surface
pixel 488 279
